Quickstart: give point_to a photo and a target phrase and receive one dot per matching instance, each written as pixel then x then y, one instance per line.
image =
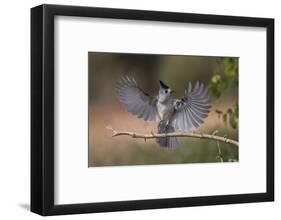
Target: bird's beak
pixel 172 91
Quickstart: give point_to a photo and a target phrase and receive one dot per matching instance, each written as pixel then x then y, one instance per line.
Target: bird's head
pixel 164 92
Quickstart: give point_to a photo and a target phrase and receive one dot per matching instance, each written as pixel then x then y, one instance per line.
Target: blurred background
pixel 219 74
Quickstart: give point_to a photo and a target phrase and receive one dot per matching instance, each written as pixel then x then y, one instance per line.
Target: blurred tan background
pixel 105 69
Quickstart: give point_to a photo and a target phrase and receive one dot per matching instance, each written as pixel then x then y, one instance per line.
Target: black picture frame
pixel 42 109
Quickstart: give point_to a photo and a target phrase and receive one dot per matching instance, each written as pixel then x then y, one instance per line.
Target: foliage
pixel 224 78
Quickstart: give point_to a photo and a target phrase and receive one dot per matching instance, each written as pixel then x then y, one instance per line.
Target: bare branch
pixel 220 157
pixel 174 134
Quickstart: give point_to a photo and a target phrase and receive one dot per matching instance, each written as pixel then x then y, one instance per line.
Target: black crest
pixel 163 85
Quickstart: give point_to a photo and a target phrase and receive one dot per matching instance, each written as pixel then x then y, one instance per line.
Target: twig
pixel 174 134
pixel 219 152
pixel 219 156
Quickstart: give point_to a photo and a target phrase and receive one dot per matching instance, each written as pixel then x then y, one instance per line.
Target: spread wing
pixel 192 109
pixel 137 101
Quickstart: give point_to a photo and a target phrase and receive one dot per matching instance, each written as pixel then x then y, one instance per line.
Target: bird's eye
pixel 166 91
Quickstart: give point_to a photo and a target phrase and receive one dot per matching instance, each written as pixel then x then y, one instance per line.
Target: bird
pixel 171 114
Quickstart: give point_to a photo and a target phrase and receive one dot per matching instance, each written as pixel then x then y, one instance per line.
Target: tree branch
pixel 174 134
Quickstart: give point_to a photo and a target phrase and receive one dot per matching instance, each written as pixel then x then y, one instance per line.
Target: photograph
pixel 149 109
pixel 145 108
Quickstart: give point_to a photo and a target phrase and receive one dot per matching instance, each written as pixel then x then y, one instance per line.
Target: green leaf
pixel 233 120
pixel 215 85
pixel 236 110
pixel 229 67
pixel 216 92
pixel 216 79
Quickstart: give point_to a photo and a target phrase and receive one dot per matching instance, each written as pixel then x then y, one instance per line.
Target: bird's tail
pixel 167 142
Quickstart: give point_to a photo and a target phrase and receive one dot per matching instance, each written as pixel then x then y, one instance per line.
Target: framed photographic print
pixel 136 109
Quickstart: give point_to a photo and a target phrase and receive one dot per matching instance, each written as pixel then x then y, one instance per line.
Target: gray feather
pixel 137 101
pixel 193 108
pixel 166 142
